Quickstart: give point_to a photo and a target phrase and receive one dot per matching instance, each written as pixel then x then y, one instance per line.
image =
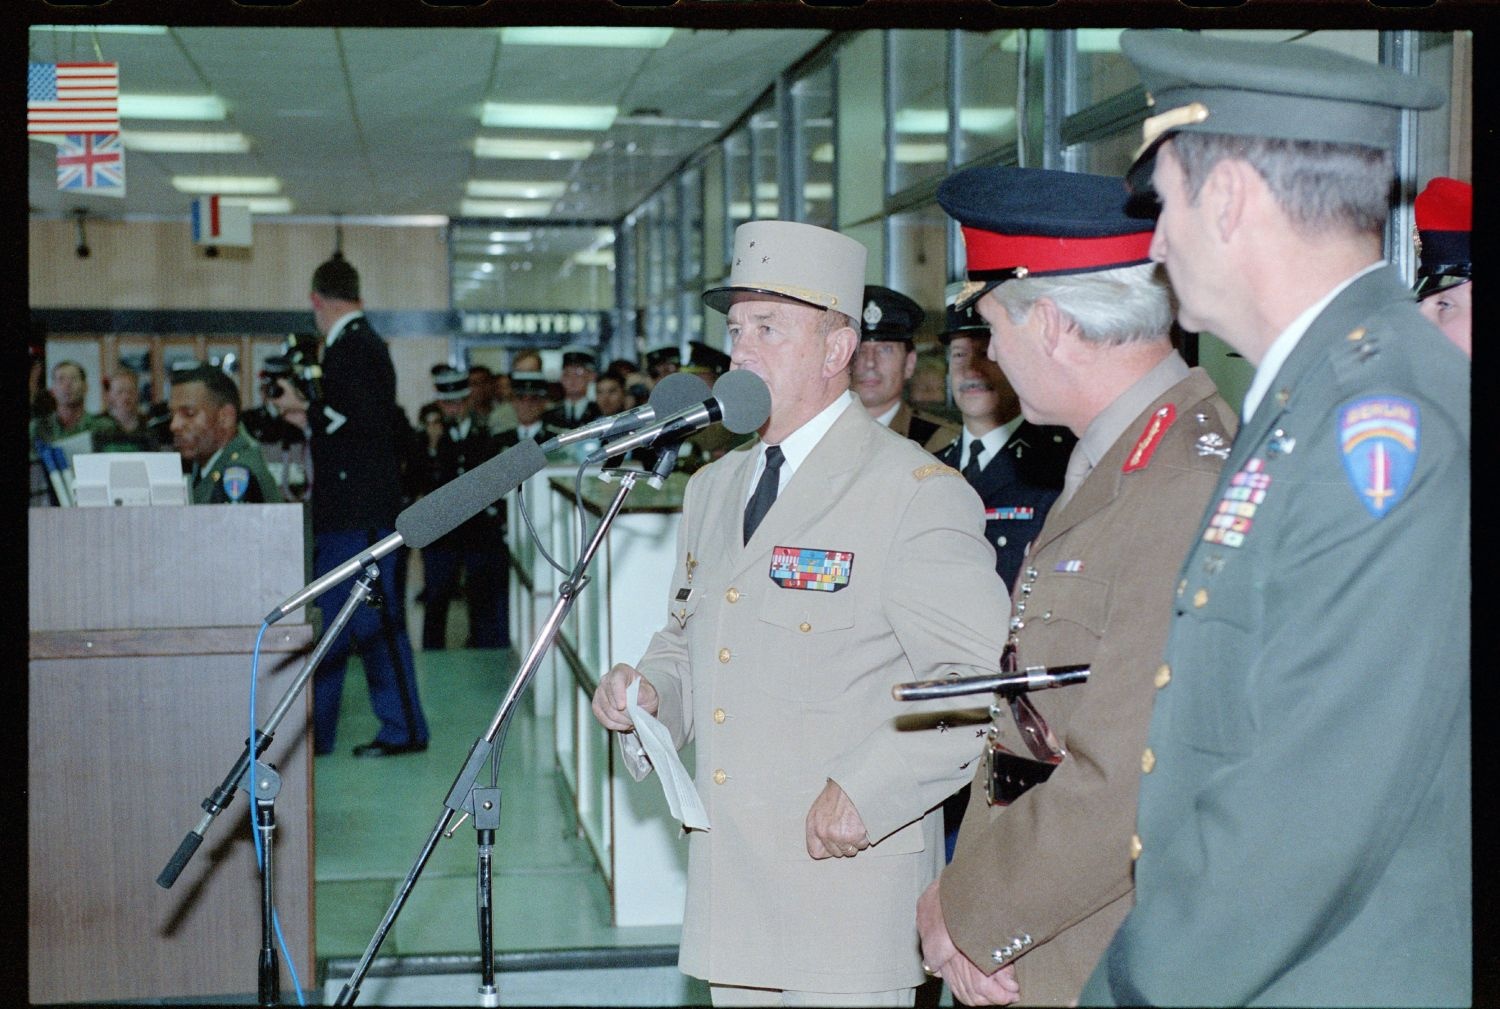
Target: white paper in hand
pixel 682 797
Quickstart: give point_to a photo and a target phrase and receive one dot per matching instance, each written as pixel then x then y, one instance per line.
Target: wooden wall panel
pixel 153 264
pixel 182 566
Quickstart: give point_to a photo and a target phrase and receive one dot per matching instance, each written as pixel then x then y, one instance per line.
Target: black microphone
pixel 1030 678
pixel 460 499
pixel 740 401
pixel 435 515
pixel 674 393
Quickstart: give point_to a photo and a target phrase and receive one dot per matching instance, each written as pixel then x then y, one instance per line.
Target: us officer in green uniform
pixel 1303 834
pixel 227 467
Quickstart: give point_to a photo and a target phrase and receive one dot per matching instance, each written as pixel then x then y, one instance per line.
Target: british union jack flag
pixel 91 162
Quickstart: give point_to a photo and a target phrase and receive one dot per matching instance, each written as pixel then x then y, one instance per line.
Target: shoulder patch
pixel 935 469
pixel 1145 447
pixel 1379 437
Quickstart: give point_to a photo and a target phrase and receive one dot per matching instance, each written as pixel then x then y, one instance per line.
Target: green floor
pixel 373 816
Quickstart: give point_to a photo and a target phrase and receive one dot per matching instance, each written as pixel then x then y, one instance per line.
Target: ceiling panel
pixel 373 121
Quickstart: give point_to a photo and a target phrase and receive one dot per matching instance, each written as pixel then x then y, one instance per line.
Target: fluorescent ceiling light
pixel 261 204
pixel 505 188
pixel 935 121
pixel 510 236
pixel 532 150
pixel 505 208
pixel 595 257
pixel 921 154
pixel 202 107
pixel 741 211
pixel 548 117
pixel 169 142
pixel 104 29
pixel 1098 40
pixel 622 38
pixel 906 154
pixel 818 191
pixel 245 185
pixel 765 191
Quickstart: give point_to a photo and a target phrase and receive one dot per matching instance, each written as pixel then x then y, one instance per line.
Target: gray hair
pixel 1129 304
pixel 1320 186
pixel 833 319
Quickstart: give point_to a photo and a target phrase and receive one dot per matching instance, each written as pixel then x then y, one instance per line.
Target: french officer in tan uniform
pixel 1079 322
pixel 816 568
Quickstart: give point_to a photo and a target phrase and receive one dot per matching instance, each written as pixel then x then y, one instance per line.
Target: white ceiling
pixel 382 121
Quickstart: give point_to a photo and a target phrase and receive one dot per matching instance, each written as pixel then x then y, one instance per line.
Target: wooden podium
pixel 142 625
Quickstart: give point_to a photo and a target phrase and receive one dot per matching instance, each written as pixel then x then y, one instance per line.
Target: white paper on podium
pixel 676 783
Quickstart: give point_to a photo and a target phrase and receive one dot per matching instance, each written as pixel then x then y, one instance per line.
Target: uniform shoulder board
pixel 934 469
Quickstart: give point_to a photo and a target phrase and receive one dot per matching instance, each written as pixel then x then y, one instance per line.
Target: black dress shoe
pixel 379 749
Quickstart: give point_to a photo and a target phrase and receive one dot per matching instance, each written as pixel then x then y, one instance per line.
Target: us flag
pixel 64 98
pixel 91 163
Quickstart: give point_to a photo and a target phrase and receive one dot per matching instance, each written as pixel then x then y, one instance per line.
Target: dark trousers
pixel 486 573
pixel 377 635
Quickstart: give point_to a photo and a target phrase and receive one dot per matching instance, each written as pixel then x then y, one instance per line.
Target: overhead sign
pixel 569 325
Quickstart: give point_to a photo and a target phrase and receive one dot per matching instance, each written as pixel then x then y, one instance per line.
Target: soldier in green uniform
pixel 227 467
pixel 1303 832
pixel 70 386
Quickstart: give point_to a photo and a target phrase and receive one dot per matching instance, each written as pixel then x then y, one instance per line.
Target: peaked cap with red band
pixel 1034 222
pixel 1445 218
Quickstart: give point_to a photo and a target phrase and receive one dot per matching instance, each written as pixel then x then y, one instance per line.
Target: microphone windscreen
pixel 460 499
pixel 745 400
pixel 677 392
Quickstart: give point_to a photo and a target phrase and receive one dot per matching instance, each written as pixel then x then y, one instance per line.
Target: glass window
pixel 918 128
pixel 919 262
pixel 502 264
pixel 765 139
pixel 1102 71
pixel 736 184
pixel 812 105
pixel 692 224
pixel 988 64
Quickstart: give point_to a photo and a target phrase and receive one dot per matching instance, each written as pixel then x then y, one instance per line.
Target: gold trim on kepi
pixel 789 259
pixel 1182 115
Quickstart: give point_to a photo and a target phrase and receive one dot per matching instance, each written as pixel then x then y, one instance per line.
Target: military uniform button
pixel 804 627
pixel 1000 541
pixel 1135 847
pixel 1031 574
pixel 723 655
pixel 1021 606
pixel 720 777
pixel 1163 675
pixel 1148 761
pixel 1200 598
pixel 1181 587
pixel 1026 589
pixel 719 716
pixel 1047 615
pixel 733 595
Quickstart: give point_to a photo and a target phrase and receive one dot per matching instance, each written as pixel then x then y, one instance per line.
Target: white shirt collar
pixel 884 420
pixel 797 446
pixel 340 323
pixel 993 441
pixel 1281 348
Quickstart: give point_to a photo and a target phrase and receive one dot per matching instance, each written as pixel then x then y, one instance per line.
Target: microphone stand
pixel 266 788
pixel 483 804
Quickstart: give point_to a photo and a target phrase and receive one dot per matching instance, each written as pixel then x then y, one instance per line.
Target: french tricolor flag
pixel 219 223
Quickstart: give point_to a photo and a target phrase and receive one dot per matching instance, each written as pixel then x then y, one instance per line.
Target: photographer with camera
pixel 348 408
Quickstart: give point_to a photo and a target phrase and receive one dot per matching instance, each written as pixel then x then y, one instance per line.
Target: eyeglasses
pixel 1010 774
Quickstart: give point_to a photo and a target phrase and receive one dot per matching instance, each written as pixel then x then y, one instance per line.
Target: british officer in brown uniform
pixel 816 567
pixel 1079 321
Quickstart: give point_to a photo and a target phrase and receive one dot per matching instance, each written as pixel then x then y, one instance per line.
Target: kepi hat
pixel 789 259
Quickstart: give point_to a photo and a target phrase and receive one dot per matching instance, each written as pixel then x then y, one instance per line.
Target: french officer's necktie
pixel 972 467
pixel 765 491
